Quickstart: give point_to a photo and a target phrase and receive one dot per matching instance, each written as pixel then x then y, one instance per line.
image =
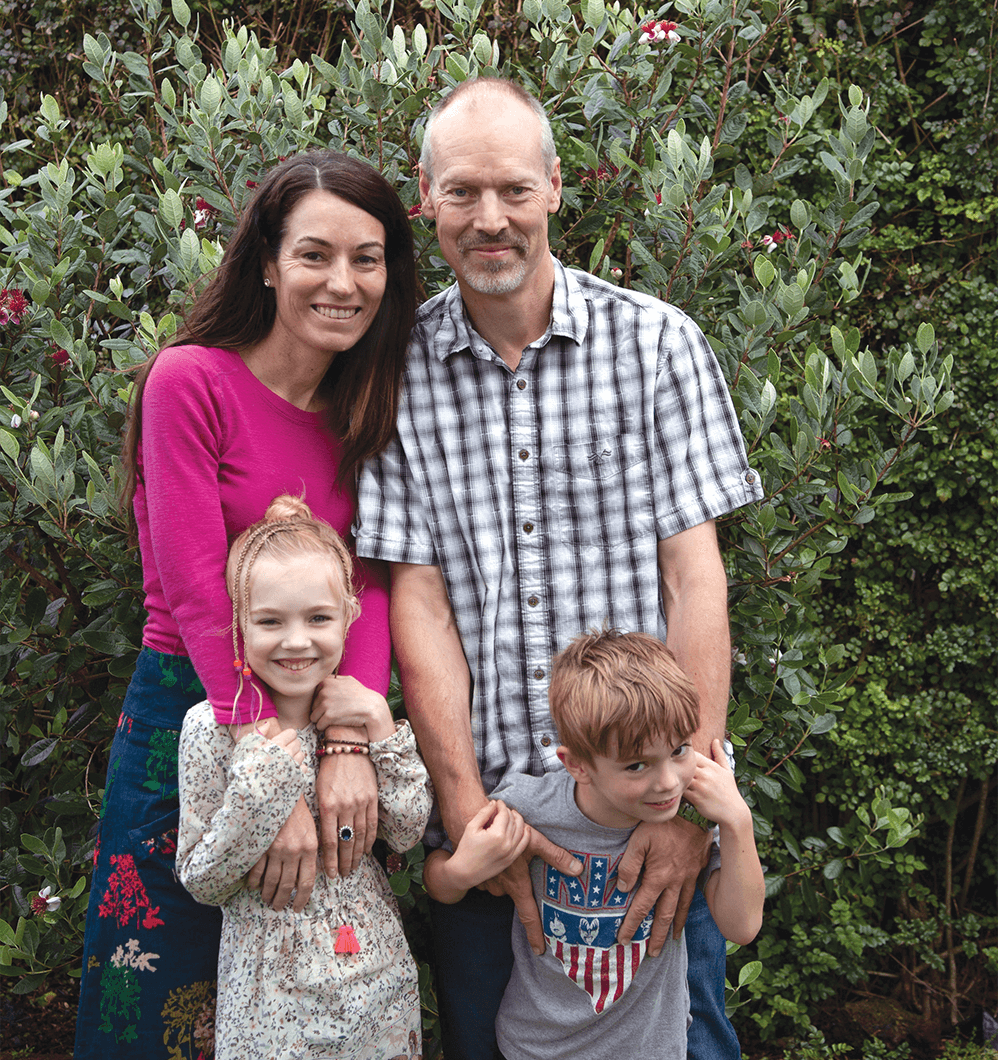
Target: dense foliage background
pixel 815 184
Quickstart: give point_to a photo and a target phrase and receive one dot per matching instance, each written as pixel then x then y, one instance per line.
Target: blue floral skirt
pixel 150 951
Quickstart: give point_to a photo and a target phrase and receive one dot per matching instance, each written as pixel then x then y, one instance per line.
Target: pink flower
pixel 203 212
pixel 43 902
pixel 605 171
pixel 656 32
pixel 616 273
pixel 251 184
pixel 59 357
pixel 415 211
pixel 12 305
pixel 781 235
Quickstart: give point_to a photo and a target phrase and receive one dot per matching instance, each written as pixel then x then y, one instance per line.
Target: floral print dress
pixel 283 990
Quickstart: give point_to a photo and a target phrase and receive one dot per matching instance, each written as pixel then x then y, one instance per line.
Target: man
pixel 563 450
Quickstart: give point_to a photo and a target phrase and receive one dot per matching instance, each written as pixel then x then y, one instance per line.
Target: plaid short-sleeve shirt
pixel 542 492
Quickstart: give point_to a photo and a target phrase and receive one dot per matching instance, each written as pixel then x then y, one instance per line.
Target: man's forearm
pixel 436 686
pixel 695 595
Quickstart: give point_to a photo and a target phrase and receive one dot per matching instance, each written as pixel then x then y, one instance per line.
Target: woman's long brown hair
pixel 235 310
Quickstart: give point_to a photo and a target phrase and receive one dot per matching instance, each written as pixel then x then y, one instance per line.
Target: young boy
pixel 624 711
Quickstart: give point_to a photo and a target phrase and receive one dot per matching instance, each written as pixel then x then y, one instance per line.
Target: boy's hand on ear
pixel 713 790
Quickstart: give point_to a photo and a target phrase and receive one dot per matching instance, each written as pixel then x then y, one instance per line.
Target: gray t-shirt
pixel 587 996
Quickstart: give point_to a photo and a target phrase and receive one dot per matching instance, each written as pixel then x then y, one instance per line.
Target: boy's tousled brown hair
pixel 612 693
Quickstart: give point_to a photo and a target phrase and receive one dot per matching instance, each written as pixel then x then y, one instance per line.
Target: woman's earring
pixel 266 283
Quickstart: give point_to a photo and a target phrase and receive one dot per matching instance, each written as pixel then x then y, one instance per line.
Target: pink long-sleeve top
pixel 217 447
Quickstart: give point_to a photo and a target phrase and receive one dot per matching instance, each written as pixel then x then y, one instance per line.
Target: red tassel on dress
pixel 346 940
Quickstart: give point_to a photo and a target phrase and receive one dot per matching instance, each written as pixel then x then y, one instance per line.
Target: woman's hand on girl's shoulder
pixel 344 701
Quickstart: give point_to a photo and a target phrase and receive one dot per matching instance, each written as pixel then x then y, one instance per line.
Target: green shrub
pixel 746 201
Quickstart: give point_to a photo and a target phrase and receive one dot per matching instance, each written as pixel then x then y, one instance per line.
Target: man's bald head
pixel 488 92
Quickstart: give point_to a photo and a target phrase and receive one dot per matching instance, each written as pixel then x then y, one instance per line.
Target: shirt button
pixel 528 528
pixel 533 601
pixel 545 741
pixel 539 675
pixel 521 384
pixel 523 454
pixel 750 478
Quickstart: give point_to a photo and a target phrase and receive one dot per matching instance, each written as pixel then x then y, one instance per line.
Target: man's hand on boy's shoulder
pixel 668 857
pixel 515 881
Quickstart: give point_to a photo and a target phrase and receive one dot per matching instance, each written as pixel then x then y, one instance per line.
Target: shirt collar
pixel 569 318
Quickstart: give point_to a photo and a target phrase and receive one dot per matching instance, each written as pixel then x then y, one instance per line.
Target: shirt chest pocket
pixel 598 492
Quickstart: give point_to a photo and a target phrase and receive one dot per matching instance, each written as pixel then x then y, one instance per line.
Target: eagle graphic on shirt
pixel 581 917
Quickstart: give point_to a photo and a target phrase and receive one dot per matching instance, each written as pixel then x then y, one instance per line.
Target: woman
pixel 284 378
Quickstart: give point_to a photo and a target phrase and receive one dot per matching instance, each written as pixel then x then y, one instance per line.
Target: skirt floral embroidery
pixel 151 951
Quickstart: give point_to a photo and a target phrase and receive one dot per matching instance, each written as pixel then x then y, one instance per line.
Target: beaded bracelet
pixel 343 747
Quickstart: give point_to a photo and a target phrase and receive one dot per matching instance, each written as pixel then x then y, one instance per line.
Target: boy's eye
pixel 634 767
pixel 681 751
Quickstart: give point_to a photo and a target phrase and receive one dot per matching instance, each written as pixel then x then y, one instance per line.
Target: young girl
pixel 336 980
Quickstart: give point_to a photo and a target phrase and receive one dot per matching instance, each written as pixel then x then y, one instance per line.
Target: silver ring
pixel 346 834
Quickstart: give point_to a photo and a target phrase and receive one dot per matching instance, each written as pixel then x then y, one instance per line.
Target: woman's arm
pixel 182 527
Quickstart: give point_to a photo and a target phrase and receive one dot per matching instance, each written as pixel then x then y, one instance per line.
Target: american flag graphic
pixel 581 917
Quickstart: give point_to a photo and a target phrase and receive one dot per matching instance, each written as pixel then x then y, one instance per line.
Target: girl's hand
pixel 345 701
pixel 493 839
pixel 289 864
pixel 288 739
pixel 713 790
pixel 270 729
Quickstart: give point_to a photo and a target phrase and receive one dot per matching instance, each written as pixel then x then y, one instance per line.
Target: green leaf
pixel 211 95
pixel 791 299
pixel 749 973
pixel 181 12
pixel 925 337
pixel 171 208
pixel 823 723
pixel 799 214
pixel 9 444
pixel 763 269
pixel 834 869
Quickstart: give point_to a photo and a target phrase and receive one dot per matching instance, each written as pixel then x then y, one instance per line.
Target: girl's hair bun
pixel 286 508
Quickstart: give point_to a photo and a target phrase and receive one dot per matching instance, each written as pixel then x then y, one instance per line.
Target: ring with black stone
pixel 346 834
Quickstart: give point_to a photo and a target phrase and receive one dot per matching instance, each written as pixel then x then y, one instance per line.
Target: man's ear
pixel 554 195
pixel 575 766
pixel 425 198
